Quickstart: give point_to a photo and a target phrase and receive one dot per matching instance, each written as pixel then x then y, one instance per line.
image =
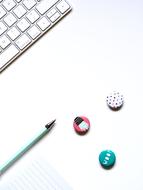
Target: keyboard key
pixel 23 41
pixel 55 17
pixel 29 3
pixel 63 6
pixel 13 33
pixel 3 28
pixel 2 12
pixel 32 16
pixel 34 32
pixel 10 19
pixel 43 23
pixel 9 4
pixel 51 12
pixel 4 42
pixel 20 11
pixel 45 5
pixel 23 24
pixel 8 55
pixel 18 1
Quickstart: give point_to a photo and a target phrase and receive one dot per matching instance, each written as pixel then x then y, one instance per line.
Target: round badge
pixel 115 100
pixel 107 159
pixel 81 125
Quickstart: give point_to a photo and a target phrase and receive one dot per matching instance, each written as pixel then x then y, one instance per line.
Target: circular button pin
pixel 81 125
pixel 115 100
pixel 107 159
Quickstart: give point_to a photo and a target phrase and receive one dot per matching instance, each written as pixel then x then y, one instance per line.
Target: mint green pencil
pixel 28 146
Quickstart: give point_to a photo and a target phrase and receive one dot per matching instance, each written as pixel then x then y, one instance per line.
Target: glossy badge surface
pixel 81 125
pixel 107 159
pixel 115 100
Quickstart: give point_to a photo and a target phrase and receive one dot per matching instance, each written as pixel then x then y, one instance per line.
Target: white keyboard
pixel 22 22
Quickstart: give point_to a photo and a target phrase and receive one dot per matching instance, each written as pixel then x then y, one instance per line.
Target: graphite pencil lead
pixel 51 124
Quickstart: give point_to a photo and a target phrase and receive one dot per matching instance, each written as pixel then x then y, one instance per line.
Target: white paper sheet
pixel 38 175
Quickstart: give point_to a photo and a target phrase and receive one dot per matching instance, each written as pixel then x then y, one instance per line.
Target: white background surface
pixel 96 49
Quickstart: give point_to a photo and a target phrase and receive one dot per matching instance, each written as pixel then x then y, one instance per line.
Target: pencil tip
pixel 50 124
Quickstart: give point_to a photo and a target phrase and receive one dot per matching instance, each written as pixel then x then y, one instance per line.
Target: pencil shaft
pixel 23 150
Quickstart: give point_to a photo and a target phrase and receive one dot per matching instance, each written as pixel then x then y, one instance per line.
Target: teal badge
pixel 107 159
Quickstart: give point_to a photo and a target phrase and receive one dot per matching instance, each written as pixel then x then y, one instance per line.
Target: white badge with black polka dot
pixel 115 100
